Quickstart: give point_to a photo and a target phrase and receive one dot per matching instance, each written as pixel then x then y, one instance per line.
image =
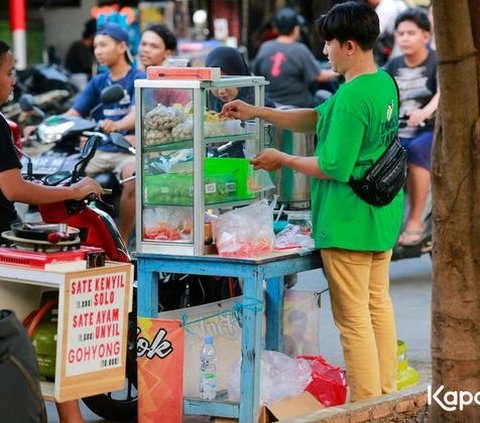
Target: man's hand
pixel 109 125
pixel 86 186
pixel 269 159
pixel 29 130
pixel 239 110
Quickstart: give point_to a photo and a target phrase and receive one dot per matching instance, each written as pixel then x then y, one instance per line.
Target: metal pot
pixel 293 187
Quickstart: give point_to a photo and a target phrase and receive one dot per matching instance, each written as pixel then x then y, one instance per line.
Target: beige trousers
pixel 363 313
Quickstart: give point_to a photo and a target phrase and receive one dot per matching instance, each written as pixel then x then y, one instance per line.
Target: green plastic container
pixel 226 179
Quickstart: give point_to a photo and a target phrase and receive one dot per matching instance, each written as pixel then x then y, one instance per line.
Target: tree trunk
pixel 456 211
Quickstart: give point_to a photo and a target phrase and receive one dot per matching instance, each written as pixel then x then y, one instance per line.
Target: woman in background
pixel 231 63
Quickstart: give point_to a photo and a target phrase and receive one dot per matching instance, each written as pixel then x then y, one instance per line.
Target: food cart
pixel 176 183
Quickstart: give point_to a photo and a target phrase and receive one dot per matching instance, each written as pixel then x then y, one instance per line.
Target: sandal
pixel 409 238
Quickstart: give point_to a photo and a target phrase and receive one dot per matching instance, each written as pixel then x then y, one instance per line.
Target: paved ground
pixel 411 293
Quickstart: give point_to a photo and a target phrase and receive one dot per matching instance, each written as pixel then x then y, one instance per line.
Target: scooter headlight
pixel 52 130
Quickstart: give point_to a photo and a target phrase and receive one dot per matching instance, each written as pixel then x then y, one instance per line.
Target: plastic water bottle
pixel 208 370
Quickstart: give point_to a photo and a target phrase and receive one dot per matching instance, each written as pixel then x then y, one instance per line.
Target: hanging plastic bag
pixel 328 384
pixel 280 377
pixel 246 231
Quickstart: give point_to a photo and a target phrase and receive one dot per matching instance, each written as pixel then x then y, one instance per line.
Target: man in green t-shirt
pixel 354 128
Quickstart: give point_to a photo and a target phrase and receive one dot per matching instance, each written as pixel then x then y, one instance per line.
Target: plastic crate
pixel 226 179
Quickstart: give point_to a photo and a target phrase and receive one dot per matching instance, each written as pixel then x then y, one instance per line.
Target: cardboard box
pixel 298 405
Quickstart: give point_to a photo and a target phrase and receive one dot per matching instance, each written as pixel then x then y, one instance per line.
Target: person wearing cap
pixel 353 128
pixel 288 65
pixel 111 50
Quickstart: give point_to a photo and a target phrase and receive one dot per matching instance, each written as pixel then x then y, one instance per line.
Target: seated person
pixel 415 72
pixel 111 50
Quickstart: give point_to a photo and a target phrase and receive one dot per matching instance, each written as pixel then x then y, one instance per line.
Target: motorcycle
pixel 55 144
pixel 51 86
pixel 97 229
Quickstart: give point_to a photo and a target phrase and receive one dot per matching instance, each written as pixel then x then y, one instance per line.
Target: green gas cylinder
pixel 44 341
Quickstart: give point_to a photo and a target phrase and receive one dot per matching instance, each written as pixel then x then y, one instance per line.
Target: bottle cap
pixel 209 340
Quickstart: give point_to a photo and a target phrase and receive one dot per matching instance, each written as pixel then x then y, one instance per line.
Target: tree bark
pixel 456 211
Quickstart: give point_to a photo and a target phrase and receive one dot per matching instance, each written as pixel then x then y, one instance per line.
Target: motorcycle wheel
pixel 121 405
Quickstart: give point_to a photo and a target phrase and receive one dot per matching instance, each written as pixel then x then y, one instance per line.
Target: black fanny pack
pixel 385 178
pixel 388 174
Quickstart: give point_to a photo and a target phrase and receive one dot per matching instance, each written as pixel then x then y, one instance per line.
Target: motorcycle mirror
pixel 120 141
pixel 112 94
pixel 87 153
pixel 26 102
pixel 28 105
pixel 89 148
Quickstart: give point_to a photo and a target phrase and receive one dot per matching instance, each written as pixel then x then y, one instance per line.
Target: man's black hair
pixel 165 34
pixel 4 49
pixel 286 20
pixel 416 15
pixel 90 28
pixel 350 21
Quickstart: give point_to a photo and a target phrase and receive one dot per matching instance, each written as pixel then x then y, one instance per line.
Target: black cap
pixel 286 19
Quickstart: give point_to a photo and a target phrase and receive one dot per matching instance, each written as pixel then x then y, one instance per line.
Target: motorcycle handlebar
pixel 95 133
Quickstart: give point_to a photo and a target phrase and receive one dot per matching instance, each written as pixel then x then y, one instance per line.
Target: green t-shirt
pixel 354 128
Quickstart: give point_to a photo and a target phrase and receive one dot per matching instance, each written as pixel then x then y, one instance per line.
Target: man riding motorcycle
pixel 111 50
pixel 13 187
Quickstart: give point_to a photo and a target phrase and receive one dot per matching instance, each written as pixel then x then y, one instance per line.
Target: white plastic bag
pixel 246 231
pixel 291 236
pixel 280 377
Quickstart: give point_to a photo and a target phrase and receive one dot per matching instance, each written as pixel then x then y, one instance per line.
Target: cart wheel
pixel 121 405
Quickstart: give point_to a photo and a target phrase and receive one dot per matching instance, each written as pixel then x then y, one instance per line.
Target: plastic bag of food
pixel 163 118
pixel 184 130
pixel 246 231
pixel 158 124
pixel 167 224
pixel 280 377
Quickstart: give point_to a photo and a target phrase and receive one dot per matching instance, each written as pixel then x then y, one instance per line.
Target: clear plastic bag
pixel 291 236
pixel 259 180
pixel 246 231
pixel 167 223
pixel 281 377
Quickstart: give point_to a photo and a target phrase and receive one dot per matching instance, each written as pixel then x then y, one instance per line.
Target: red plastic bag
pixel 329 384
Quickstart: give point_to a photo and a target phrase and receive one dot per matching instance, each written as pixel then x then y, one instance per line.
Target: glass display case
pixel 190 160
